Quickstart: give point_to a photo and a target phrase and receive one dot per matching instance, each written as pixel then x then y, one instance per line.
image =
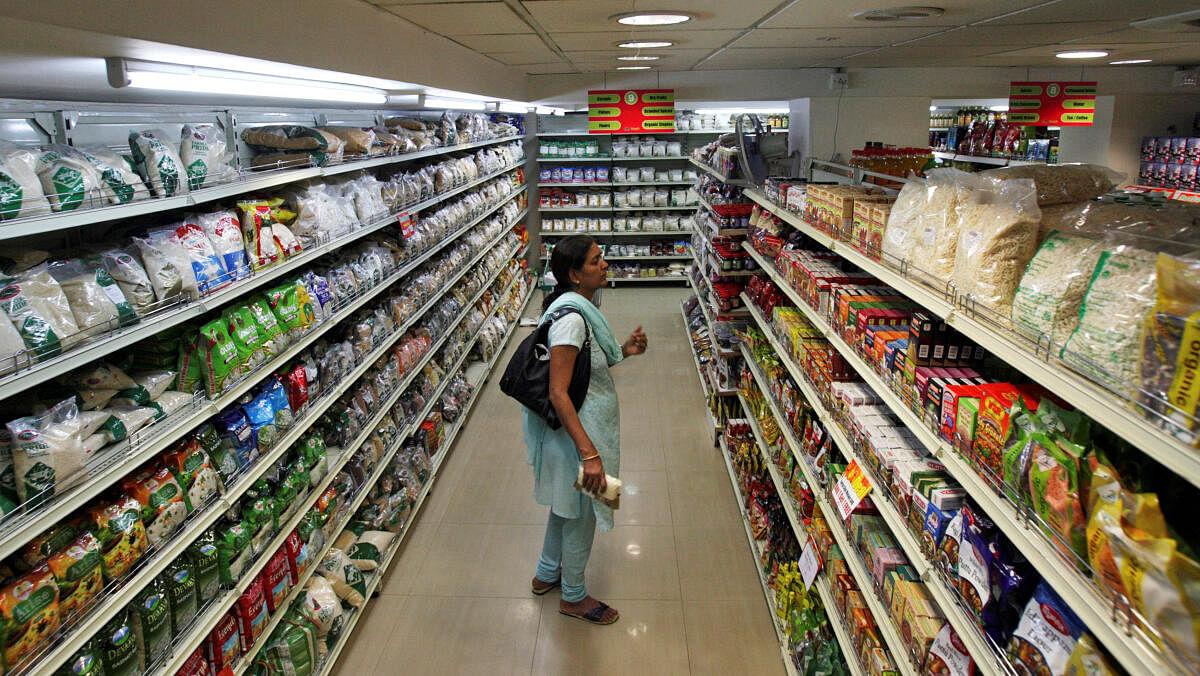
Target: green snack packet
pixel 222 457
pixel 233 551
pixel 244 331
pixel 292 647
pixel 285 304
pixel 85 662
pixel 151 616
pixel 269 330
pixel 205 563
pixel 190 377
pixel 180 580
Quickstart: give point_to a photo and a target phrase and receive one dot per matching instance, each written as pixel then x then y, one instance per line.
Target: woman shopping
pixel 589 437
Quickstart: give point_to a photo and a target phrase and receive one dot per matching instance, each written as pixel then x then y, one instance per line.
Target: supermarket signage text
pixel 1052 104
pixel 631 111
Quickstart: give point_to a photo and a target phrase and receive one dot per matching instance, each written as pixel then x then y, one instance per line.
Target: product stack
pixel 995 493
pixel 221 420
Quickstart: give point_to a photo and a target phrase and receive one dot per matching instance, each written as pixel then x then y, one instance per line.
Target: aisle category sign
pixel 631 111
pixel 850 489
pixel 1052 104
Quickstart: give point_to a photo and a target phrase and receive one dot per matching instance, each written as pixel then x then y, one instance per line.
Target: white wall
pixel 1160 114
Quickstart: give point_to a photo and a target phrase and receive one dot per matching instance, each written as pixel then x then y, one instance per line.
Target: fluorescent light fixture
pixel 932 108
pixel 738 111
pixel 645 44
pixel 1083 54
pixel 641 57
pixel 514 107
pixel 549 110
pixel 191 79
pixel 998 109
pixel 657 18
pixel 458 104
pixel 1126 62
pixel 633 67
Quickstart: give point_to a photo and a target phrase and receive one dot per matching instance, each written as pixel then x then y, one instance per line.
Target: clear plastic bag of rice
pixel 203 150
pixel 18 171
pixel 96 300
pixel 119 181
pixel 127 271
pixel 158 163
pixel 947 191
pixel 37 306
pixel 1062 183
pixel 904 222
pixel 997 238
pixel 1107 342
pixel 168 264
pixel 48 452
pixel 1050 293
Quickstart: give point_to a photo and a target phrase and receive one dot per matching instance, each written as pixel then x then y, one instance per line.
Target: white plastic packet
pixel 127 271
pixel 36 303
pixel 207 266
pixel 202 148
pixel 22 195
pixel 156 160
pixel 69 180
pixel 119 181
pixel 168 264
pixel 95 299
pixel 225 232
pixel 48 453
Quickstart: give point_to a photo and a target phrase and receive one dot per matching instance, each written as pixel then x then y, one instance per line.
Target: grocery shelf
pixel 709 319
pixel 685 257
pixel 109 342
pixel 664 278
pixel 977 645
pixel 19 529
pixel 1127 642
pixel 979 159
pixel 703 132
pixel 576 184
pixel 756 551
pixel 376 579
pixel 249 182
pixel 720 176
pixel 615 233
pixel 841 632
pixel 572 159
pixel 553 210
pixel 1117 414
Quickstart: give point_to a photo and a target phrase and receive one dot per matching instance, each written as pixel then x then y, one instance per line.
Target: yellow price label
pixel 604 98
pixel 1023 118
pixel 604 112
pixel 1024 90
pixel 604 125
pixel 1078 118
pixel 659 97
pixel 1024 104
pixel 1079 104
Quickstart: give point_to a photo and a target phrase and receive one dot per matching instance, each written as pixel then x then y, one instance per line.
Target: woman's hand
pixel 635 343
pixel 593 473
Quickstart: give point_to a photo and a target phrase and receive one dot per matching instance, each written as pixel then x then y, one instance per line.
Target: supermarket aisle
pixel 676 566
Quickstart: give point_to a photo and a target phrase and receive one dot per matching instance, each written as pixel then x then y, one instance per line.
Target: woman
pixel 589 436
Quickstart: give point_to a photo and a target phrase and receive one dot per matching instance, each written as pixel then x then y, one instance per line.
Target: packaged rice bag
pixel 224 230
pixel 276 581
pixel 320 604
pixel 118 181
pixel 237 437
pixel 233 551
pixel 285 304
pixel 344 576
pixel 18 171
pixel 318 291
pixel 224 644
pixel 150 612
pixel 40 311
pixel 273 387
pixel 196 665
pixel 1046 636
pixel 190 377
pixel 180 581
pixel 293 648
pixel 219 357
pixel 96 301
pixel 158 163
pixel 295 384
pixel 168 264
pixel 155 383
pixel 299 558
pixel 207 266
pixel 203 151
pixel 29 615
pixel 243 329
pixel 193 469
pixel 258 516
pixel 118 646
pixel 260 413
pixel 86 661
pixel 127 271
pixel 205 564
pixel 368 550
pixel 250 611
pixel 68 180
pixel 48 453
pixel 268 325
pixel 164 504
pixel 79 574
pixel 262 249
pixel 118 526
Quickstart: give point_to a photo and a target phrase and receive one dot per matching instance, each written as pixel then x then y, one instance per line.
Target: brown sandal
pixel 595 615
pixel 540 587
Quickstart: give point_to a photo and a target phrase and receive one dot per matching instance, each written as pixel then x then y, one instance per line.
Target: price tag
pixel 810 564
pixel 851 487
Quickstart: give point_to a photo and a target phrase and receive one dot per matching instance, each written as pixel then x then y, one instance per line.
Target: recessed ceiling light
pixel 645 44
pixel 633 67
pixel 827 38
pixel 1126 62
pixel 638 58
pixel 1083 54
pixel 899 13
pixel 660 18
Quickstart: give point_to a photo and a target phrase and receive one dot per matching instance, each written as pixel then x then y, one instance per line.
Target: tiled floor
pixel 677 567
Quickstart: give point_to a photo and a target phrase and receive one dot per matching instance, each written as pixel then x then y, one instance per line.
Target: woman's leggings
pixel 568 544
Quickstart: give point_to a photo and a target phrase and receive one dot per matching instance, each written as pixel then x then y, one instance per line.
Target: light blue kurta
pixel 552 453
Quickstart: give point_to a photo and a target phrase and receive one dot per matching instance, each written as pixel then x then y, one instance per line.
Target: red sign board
pixel 1052 104
pixel 631 111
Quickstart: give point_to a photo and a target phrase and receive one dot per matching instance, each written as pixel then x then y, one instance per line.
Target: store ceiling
pixel 571 36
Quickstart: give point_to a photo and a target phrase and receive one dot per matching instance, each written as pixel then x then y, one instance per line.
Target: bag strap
pixel 564 311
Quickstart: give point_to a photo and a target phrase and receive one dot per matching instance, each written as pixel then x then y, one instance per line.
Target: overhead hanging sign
pixel 1052 104
pixel 631 111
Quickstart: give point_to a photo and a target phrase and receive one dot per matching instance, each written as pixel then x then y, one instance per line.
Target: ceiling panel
pixel 393 3
pixel 840 13
pixel 803 57
pixel 1031 34
pixel 685 39
pixel 507 42
pixel 593 15
pixel 546 68
pixel 543 55
pixel 477 18
pixel 1176 51
pixel 845 37
pixel 1136 36
pixel 1115 10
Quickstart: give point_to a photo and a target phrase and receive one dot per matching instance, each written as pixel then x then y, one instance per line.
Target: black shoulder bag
pixel 527 376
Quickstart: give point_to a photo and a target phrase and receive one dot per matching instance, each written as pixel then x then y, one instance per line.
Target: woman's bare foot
pixel 590 610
